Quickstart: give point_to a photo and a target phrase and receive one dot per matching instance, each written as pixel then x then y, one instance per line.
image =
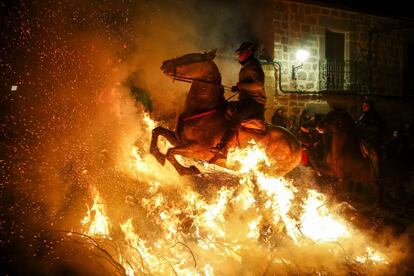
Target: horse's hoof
pixel 160 158
pixel 189 171
pixel 194 170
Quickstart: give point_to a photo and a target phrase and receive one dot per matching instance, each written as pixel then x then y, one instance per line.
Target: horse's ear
pixel 211 54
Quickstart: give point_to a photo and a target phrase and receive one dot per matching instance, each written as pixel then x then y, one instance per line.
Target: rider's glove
pixel 234 88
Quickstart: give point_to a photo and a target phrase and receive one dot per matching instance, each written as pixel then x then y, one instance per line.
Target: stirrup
pixel 220 150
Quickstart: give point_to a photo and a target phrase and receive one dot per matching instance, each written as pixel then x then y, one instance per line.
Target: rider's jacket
pixel 251 82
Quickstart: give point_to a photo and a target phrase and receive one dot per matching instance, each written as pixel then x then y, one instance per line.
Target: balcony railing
pixel 344 76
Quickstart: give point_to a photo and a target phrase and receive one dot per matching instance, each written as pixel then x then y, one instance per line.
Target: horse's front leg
pixel 191 150
pixel 169 135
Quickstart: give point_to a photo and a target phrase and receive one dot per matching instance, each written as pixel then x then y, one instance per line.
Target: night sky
pixel 386 8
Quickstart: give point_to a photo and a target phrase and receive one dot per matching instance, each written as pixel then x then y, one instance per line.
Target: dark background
pixel 385 8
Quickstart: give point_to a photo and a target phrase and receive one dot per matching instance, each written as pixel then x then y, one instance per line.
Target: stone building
pixel 352 55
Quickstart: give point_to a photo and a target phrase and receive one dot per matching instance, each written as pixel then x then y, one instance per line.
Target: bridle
pixel 190 80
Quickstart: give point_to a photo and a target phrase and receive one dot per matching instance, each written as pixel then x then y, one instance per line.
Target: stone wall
pixel 303 26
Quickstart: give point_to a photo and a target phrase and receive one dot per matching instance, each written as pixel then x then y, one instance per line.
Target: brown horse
pixel 203 121
pixel 347 158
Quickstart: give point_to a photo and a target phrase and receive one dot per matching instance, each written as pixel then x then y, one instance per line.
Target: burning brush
pixel 262 225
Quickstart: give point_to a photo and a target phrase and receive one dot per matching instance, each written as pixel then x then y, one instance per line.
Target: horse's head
pixel 336 121
pixel 195 66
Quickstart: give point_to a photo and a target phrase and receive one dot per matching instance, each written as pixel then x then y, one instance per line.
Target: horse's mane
pixel 342 114
pixel 344 125
pixel 341 111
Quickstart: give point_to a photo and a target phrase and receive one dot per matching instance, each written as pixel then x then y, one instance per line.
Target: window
pixel 334 55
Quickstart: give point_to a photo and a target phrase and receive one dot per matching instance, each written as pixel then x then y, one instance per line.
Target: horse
pixel 204 120
pixel 348 158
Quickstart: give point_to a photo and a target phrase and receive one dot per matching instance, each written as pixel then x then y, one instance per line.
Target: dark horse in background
pixel 203 121
pixel 348 158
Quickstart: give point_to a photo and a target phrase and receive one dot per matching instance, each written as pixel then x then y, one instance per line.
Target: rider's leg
pixel 192 150
pixel 222 148
pixel 243 111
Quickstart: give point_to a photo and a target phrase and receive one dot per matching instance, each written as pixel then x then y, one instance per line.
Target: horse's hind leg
pixel 169 135
pixel 191 150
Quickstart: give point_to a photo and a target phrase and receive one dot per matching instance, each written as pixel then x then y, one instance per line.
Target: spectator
pixel 393 146
pixel 291 124
pixel 304 118
pixel 279 118
pixel 310 140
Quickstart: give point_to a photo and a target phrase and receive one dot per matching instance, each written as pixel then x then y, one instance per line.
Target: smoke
pixel 67 125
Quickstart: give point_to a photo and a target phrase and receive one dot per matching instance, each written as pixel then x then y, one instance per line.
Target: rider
pixel 252 97
pixel 371 125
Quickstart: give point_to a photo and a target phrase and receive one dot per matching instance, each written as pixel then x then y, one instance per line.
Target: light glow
pixel 302 55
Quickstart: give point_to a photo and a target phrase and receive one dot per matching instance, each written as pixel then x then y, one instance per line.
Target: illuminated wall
pixel 303 26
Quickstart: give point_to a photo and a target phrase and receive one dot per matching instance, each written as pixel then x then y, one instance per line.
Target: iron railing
pixel 346 76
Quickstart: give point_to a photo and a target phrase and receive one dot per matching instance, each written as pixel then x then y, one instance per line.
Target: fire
pixel 150 261
pixel 265 218
pixel 96 218
pixel 249 158
pixel 317 223
pixel 371 255
pixel 149 123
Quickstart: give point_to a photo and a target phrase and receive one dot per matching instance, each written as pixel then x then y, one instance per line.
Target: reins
pixel 190 80
pixel 199 115
pixel 207 113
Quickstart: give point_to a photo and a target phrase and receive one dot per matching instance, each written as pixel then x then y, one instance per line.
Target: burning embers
pixel 262 225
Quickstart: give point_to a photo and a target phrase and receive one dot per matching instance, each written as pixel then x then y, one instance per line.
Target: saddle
pixel 254 125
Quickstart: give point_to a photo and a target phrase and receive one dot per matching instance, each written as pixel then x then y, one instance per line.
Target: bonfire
pixel 243 221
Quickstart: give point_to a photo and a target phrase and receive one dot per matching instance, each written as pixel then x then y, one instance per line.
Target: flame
pixel 249 159
pixel 96 219
pixel 318 223
pixel 149 123
pixel 149 261
pixel 371 255
pixel 202 234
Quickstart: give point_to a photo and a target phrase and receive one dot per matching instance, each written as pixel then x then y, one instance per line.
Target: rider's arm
pixel 254 80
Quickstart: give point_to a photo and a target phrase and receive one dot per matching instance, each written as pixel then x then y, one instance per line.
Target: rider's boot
pixel 222 148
